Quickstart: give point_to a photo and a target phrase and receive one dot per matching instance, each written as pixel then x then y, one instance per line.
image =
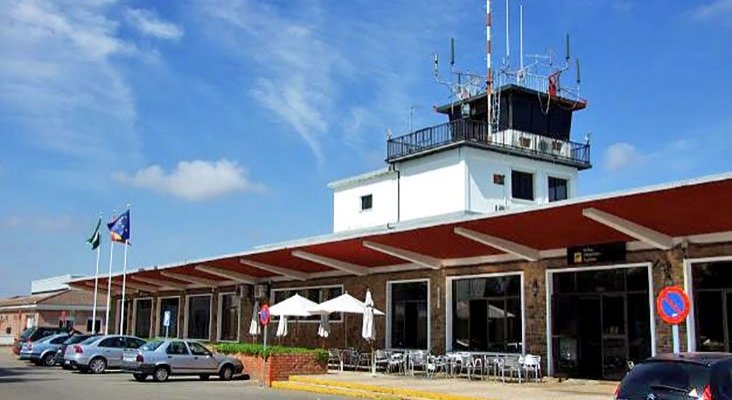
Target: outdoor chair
pixel 381 359
pixel 436 365
pixel 477 368
pixel 334 359
pixel 396 363
pixel 417 361
pixel 364 361
pixel 511 365
pixel 532 364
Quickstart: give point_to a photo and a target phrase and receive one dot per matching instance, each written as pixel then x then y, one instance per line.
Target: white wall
pixel 449 181
pixel 432 185
pixel 484 195
pixel 347 213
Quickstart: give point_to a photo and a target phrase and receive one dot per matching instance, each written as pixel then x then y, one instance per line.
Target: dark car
pixel 682 376
pixel 33 334
pixel 75 339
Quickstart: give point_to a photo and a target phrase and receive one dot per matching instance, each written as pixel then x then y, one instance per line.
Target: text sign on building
pixel 166 319
pixel 587 254
pixel 672 305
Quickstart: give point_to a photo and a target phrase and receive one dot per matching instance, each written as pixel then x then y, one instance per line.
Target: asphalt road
pixel 20 380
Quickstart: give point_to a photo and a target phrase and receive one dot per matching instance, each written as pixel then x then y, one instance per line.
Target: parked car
pixel 683 376
pixel 44 352
pixel 99 353
pixel 74 339
pixel 32 335
pixel 163 358
pixel 27 349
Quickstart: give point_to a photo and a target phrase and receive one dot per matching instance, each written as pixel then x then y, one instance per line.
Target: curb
pixel 338 391
pixel 384 390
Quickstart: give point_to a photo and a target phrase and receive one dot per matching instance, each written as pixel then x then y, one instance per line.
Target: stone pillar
pixel 438 323
pixel 535 309
pixel 214 328
pixel 182 310
pixel 668 269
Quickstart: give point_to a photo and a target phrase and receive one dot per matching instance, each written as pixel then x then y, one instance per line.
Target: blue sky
pixel 221 122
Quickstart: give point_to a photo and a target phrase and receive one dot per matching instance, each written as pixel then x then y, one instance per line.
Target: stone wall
pixel 279 367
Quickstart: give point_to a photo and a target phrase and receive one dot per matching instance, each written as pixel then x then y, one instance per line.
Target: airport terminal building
pixel 472 238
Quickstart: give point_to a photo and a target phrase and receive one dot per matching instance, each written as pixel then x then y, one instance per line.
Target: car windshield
pixel 151 346
pixel 27 333
pixel 45 339
pixel 666 377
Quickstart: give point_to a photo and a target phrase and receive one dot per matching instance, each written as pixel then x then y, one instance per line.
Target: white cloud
pixel 59 79
pixel 60 223
pixel 620 156
pixel 719 9
pixel 193 180
pixel 149 24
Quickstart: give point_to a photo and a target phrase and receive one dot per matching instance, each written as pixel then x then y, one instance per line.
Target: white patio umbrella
pixel 294 306
pixel 367 330
pixel 254 324
pixel 324 327
pixel 344 303
pixel 282 327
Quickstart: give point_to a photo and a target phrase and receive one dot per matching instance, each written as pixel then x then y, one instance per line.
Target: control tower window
pixel 522 185
pixel 557 189
pixel 367 202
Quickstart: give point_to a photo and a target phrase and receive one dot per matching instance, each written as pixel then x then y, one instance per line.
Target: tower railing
pixel 475 132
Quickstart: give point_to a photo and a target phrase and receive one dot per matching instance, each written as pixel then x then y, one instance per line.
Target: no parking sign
pixel 672 305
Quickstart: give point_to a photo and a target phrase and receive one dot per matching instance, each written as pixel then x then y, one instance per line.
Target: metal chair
pixel 417 361
pixel 334 359
pixel 396 363
pixel 477 368
pixel 531 364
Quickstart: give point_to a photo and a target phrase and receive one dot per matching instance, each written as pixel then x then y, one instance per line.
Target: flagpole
pixel 124 284
pixel 109 283
pixel 96 282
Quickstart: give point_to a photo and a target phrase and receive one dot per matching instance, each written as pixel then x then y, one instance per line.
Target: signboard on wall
pixel 596 253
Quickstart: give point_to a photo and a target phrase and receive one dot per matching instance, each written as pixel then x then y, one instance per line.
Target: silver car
pixel 43 352
pixel 99 353
pixel 163 358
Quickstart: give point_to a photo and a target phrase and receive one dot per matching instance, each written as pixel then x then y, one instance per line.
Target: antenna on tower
pixel 521 35
pixel 566 57
pixel 508 33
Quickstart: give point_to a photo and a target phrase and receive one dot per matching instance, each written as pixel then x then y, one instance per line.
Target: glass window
pixel 199 317
pixel 197 349
pixel 557 189
pixel 59 339
pixel 487 314
pixel 229 317
pixel 134 343
pixel 143 317
pixel 522 185
pixel 151 346
pixel 367 202
pixel 409 315
pixel 170 305
pixel 177 348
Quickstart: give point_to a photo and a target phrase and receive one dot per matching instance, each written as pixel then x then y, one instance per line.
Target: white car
pixel 99 353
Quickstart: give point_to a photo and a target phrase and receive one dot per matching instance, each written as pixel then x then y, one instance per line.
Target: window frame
pixel 389 316
pixel 449 331
pixel 159 329
pixel 187 316
pixel 370 198
pixel 150 329
pixel 549 179
pixel 514 186
pixel 219 316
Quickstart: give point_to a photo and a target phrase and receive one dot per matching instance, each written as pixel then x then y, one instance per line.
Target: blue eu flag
pixel 120 227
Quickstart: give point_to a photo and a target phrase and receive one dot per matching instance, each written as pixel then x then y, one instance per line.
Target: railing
pixel 512 141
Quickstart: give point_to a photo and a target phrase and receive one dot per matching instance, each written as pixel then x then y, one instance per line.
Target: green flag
pixel 95 239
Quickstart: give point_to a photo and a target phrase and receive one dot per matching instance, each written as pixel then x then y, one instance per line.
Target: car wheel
pixel 161 374
pixel 97 365
pixel 49 360
pixel 227 372
pixel 204 377
pixel 139 377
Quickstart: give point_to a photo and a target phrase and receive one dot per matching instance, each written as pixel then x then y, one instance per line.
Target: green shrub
pixel 258 350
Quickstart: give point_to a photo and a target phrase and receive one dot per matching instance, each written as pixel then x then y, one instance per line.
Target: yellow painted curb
pixel 338 391
pixel 409 393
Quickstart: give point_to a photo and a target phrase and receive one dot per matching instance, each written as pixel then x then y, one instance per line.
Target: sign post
pixel 264 317
pixel 166 322
pixel 672 305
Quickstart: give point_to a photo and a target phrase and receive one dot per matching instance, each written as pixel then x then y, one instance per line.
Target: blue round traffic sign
pixel 672 305
pixel 264 315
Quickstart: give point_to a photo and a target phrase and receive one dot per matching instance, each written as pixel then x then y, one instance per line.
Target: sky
pixel 221 122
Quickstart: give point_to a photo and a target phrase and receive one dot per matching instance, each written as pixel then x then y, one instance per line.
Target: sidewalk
pixel 400 386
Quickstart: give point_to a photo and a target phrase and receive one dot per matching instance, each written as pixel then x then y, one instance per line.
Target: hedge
pixel 255 349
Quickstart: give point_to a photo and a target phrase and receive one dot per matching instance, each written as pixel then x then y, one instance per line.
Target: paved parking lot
pixel 20 380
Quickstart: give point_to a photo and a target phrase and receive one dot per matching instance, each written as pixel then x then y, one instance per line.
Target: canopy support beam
pixel 517 249
pixel 297 275
pixel 192 279
pixel 630 228
pixel 417 258
pixel 227 274
pixel 332 263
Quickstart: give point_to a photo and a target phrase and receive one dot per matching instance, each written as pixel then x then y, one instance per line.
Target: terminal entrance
pixel 600 321
pixel 713 305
